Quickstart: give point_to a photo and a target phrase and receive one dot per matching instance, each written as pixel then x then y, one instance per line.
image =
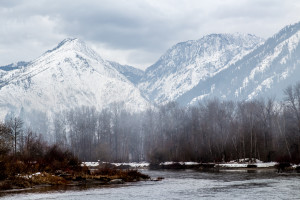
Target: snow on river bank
pixel 242 163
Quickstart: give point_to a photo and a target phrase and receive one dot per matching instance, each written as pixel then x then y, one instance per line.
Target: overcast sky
pixel 134 32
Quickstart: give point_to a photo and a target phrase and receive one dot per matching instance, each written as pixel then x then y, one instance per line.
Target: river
pixel 186 184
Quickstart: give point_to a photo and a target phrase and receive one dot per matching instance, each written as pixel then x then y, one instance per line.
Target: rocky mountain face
pixel 186 64
pixel 264 72
pixel 68 76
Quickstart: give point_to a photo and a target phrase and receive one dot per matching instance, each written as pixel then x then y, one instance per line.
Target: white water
pixel 187 185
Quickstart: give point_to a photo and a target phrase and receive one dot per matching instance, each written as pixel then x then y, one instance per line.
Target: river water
pixel 186 184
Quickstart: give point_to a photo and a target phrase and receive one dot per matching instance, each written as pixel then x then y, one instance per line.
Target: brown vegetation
pixel 126 175
pixel 34 162
pixel 18 169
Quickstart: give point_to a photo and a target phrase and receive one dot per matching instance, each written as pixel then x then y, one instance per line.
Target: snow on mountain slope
pixel 14 66
pixel 186 64
pixel 131 73
pixel 265 72
pixel 69 76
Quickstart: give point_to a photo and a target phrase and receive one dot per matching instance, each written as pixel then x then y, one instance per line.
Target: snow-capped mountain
pixel 69 76
pixel 183 66
pixel 265 72
pixel 226 66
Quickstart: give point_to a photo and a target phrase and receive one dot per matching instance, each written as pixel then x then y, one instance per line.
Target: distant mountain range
pixel 226 66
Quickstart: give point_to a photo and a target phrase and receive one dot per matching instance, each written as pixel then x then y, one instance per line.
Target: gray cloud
pixel 132 32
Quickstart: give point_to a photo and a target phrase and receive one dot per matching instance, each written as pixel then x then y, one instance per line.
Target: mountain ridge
pixel 226 66
pixel 257 71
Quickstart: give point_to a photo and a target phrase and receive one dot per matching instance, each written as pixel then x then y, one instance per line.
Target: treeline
pixel 27 160
pixel 24 152
pixel 212 131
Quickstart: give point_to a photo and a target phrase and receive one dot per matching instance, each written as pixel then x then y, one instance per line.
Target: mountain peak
pixel 68 43
pixel 75 45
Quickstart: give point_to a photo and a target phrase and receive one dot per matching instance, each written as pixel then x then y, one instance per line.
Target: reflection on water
pixel 183 185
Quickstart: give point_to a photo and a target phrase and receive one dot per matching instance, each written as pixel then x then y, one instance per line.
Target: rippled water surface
pixel 185 185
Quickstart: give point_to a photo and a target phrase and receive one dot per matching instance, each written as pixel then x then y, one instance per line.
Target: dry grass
pixel 126 175
pixel 27 181
pixel 46 178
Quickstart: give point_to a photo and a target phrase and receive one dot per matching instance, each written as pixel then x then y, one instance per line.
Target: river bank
pixel 105 176
pixel 99 174
pixel 181 184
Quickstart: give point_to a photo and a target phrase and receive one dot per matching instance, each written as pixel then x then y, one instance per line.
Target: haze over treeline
pixel 212 131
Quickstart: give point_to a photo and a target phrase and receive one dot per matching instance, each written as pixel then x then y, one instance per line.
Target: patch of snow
pixel 267 164
pixel 191 163
pixel 167 163
pixel 133 164
pixel 181 163
pixel 232 165
pixel 243 163
pixel 295 166
pixel 90 164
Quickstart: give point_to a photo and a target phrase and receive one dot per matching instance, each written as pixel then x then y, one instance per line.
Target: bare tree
pixel 5 139
pixel 16 125
pixel 292 98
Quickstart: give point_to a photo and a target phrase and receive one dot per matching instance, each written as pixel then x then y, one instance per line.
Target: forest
pixel 211 131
